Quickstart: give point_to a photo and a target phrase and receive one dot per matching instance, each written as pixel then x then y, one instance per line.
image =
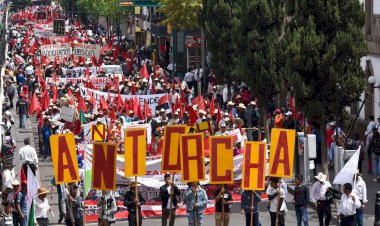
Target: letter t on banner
pixel 64 156
pixel 171 160
pixel 282 153
pixel 254 166
pixel 192 157
pixel 221 160
pixel 104 166
pixel 135 152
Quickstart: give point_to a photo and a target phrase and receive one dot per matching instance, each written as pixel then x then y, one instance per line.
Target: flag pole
pixel 252 206
pixel 171 199
pixel 84 192
pixel 278 200
pixel 137 207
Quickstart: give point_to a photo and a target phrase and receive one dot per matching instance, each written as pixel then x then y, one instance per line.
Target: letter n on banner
pixel 98 132
pixel 64 156
pixel 171 160
pixel 282 153
pixel 254 166
pixel 221 160
pixel 104 166
pixel 192 157
pixel 135 152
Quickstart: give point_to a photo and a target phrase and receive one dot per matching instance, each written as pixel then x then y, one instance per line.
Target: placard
pixel 67 113
pixel 171 156
pixel 254 166
pixel 135 152
pixel 192 157
pixel 104 166
pixel 221 160
pixel 98 132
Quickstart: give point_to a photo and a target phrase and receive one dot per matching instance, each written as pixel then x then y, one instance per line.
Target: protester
pixel 195 200
pixel 360 189
pixel 318 197
pixel 108 208
pixel 7 177
pixel 168 192
pixel 72 207
pixel 11 92
pixel 349 202
pixel 374 148
pixel 277 205
pixel 301 199
pixel 133 202
pixel 223 200
pixel 22 107
pixel 251 212
pixel 28 157
pixel 42 207
pixel 46 132
pixel 6 218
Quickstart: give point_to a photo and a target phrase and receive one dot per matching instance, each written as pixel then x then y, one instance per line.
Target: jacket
pixel 201 200
pixel 109 210
pixel 129 201
pixel 164 194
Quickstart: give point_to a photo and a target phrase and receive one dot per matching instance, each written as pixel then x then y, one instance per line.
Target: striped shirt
pixel 6 220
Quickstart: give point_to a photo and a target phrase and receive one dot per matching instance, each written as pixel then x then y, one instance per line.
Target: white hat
pixel 145 80
pixel 333 123
pixel 162 110
pixel 15 183
pixel 241 105
pixel 230 103
pixel 252 103
pixel 202 112
pixel 321 177
pixel 289 113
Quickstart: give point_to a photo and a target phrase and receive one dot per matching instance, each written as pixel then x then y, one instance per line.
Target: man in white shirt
pixel 349 202
pixel 189 77
pixel 360 189
pixel 276 196
pixel 7 177
pixel 28 157
pixel 318 197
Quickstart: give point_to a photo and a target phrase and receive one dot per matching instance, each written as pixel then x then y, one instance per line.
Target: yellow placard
pixel 104 166
pixel 221 160
pixel 253 177
pixel 64 157
pixel 135 152
pixel 98 132
pixel 282 153
pixel 171 161
pixel 204 126
pixel 192 157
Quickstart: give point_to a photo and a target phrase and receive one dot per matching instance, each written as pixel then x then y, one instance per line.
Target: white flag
pixel 32 189
pixel 349 170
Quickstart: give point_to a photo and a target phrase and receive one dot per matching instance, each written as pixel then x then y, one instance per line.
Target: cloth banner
pixel 43 30
pixel 56 50
pixel 32 190
pixel 87 50
pixel 97 82
pixel 347 173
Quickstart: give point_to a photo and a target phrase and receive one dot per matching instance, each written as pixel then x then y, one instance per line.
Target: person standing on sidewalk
pixel 318 197
pixel 246 205
pixel 349 202
pixel 277 206
pixel 301 198
pixel 11 92
pixel 360 189
pixel 22 107
pixel 28 157
pixel 222 198
pixel 167 190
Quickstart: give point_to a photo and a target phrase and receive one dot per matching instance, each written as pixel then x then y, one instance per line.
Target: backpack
pixel 376 147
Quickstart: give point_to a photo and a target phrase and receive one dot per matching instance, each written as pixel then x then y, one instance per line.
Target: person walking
pixel 374 148
pixel 223 200
pixel 22 107
pixel 246 205
pixel 7 177
pixel 11 92
pixel 28 157
pixel 349 202
pixel 133 201
pixel 360 189
pixel 301 198
pixel 318 197
pixel 42 207
pixel 6 218
pixel 196 201
pixel 72 207
pixel 108 208
pixel 277 205
pixel 169 192
pixel 46 132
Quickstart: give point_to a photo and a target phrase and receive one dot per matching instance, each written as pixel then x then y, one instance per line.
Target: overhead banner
pixel 221 160
pixel 192 157
pixel 98 132
pixel 56 50
pixel 135 152
pixel 254 166
pixel 171 157
pixel 282 153
pixel 87 50
pixel 104 166
pixel 97 82
pixel 64 157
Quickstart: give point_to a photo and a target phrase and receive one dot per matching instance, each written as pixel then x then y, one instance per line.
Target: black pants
pixel 248 219
pixel 132 218
pixel 347 221
pixel 32 168
pixel 281 218
pixel 10 97
pixel 324 209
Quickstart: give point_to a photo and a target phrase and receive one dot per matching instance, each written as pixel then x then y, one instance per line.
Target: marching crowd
pixel 33 86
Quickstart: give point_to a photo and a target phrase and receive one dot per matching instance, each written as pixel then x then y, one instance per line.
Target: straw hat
pixel 230 103
pixel 242 106
pixel 41 191
pixel 133 183
pixel 321 177
pixel 15 183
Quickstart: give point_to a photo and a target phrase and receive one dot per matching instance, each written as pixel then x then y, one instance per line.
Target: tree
pixel 323 47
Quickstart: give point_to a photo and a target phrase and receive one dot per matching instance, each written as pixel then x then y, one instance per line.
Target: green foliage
pixel 106 8
pixel 183 14
pixel 323 47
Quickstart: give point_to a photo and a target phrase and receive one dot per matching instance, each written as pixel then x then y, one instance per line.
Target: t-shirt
pixel 227 197
pixel 22 105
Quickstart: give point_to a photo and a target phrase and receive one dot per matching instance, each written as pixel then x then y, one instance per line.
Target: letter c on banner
pixel 104 166
pixel 135 152
pixel 171 158
pixel 192 157
pixel 254 166
pixel 221 160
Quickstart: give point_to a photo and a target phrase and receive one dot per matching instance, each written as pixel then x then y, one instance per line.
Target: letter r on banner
pixel 64 156
pixel 104 166
pixel 254 166
pixel 135 152
pixel 192 157
pixel 171 160
pixel 282 153
pixel 221 160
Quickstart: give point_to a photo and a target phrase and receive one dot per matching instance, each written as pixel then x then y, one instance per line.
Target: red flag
pixel 144 71
pixel 55 96
pixel 147 111
pixel 103 103
pixel 81 104
pixel 22 173
pixel 94 61
pixel 292 107
pixel 13 43
pixel 46 98
pixel 34 104
pixel 127 106
pixel 177 105
pixel 163 100
pixel 119 101
pixel 113 114
pixel 212 106
pixel 218 118
pixel 193 116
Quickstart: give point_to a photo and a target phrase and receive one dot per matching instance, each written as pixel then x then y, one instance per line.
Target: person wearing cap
pixel 238 149
pixel 28 157
pixel 175 119
pixel 132 116
pixel 277 205
pixel 132 202
pixel 42 207
pixel 242 112
pixel 22 108
pixel 201 114
pixel 108 208
pixel 196 201
pixel 318 197
pixel 348 204
pixel 72 207
pixel 163 118
pixel 168 192
pixel 18 198
pixel 288 121
pixel 223 199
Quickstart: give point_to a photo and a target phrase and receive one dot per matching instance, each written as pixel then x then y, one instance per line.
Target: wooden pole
pixel 222 209
pixel 278 201
pixel 252 206
pixel 171 199
pixel 137 207
pixel 195 209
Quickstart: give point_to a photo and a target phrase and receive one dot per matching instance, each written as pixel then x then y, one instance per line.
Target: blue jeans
pixel 375 165
pixel 22 121
pixel 359 217
pixel 191 218
pixel 46 148
pixel 17 220
pixel 331 152
pixel 301 213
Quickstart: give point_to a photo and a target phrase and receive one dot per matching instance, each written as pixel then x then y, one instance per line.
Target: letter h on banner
pixel 254 166
pixel 192 157
pixel 171 156
pixel 135 152
pixel 221 160
pixel 104 166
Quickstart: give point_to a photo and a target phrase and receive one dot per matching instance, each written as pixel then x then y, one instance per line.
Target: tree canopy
pixel 184 14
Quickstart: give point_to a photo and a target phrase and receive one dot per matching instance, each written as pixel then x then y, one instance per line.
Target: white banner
pixel 87 50
pixel 67 114
pixel 32 190
pixel 98 82
pixel 56 50
pixel 43 30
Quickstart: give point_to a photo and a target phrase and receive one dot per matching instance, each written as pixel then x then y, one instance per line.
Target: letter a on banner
pixel 104 166
pixel 221 160
pixel 282 153
pixel 135 152
pixel 64 156
pixel 254 166
pixel 171 160
pixel 192 157
pixel 98 132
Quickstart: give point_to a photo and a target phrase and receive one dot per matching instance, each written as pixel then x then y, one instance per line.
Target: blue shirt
pixel 20 78
pixel 21 200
